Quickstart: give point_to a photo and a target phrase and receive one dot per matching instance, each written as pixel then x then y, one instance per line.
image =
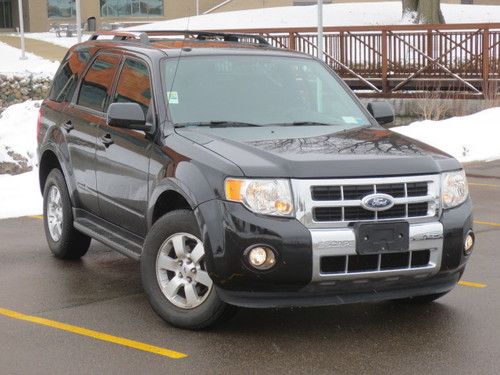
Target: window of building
pixel 134 85
pixel 97 83
pixel 131 8
pixel 61 8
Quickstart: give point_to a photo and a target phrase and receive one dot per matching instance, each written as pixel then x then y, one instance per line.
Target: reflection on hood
pixel 360 141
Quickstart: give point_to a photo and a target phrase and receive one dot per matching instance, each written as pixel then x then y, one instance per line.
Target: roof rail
pixel 209 35
pixel 122 36
pixel 144 36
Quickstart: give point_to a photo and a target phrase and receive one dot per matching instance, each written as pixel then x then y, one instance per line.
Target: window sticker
pixel 353 120
pixel 173 97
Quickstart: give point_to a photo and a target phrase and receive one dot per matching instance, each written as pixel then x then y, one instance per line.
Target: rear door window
pixel 134 84
pixel 97 84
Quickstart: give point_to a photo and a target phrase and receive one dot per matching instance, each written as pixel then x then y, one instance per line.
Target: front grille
pixel 345 264
pixel 356 191
pixel 417 189
pixel 326 193
pixel 337 201
pixel 325 214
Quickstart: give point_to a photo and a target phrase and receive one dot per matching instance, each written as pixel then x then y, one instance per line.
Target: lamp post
pixel 78 20
pixel 320 29
pixel 21 30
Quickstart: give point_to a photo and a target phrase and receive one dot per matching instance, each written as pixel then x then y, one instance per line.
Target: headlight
pixel 454 188
pixel 267 197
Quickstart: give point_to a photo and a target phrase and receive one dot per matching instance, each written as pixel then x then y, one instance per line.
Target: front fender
pixel 189 169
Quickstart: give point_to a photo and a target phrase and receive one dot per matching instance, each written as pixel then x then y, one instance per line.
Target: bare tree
pixel 423 11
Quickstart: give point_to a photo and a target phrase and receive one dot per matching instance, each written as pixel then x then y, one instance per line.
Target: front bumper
pixel 345 292
pixel 296 280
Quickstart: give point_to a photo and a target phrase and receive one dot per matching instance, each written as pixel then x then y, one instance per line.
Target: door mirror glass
pixel 127 116
pixel 383 112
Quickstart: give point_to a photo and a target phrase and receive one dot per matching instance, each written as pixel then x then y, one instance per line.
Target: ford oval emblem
pixel 377 202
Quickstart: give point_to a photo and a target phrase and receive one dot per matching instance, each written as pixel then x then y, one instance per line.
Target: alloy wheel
pixel 181 273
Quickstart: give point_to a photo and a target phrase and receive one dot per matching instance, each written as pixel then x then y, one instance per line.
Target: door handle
pixel 68 125
pixel 107 140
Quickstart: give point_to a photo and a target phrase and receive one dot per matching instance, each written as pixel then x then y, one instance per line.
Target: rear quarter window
pixel 66 78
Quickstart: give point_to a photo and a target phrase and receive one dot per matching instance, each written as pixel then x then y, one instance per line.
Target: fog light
pixel 469 243
pixel 261 257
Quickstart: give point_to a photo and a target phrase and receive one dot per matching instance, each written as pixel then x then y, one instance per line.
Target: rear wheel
pixel 64 240
pixel 175 277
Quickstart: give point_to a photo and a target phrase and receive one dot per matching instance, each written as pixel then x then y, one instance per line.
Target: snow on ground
pixel 379 13
pixel 18 131
pixel 51 37
pixel 19 195
pixel 11 64
pixel 469 138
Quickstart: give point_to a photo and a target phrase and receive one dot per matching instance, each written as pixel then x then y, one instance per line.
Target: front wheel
pixel 174 275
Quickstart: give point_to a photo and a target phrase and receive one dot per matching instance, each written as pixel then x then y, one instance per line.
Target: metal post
pixel 21 30
pixel 78 20
pixel 320 29
pixel 197 7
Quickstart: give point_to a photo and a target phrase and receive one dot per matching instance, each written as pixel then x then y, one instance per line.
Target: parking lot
pixel 91 316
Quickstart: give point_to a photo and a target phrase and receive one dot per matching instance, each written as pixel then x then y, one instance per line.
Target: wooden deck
pixel 459 60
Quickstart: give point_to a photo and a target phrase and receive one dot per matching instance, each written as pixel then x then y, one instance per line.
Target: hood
pixel 320 152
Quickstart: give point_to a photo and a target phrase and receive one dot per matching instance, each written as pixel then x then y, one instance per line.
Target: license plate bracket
pixel 378 238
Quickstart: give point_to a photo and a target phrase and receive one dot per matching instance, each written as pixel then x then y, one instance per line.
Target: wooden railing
pixel 454 60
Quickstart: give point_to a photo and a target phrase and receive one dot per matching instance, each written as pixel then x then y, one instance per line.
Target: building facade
pixel 39 15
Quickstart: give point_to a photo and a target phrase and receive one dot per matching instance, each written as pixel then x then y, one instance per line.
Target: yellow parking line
pixel 37 217
pixel 484 185
pixel 487 223
pixel 94 334
pixel 471 284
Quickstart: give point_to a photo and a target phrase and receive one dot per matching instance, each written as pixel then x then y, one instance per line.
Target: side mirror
pixel 383 112
pixel 127 116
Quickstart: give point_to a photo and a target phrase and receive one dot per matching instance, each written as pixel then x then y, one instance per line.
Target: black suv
pixel 243 175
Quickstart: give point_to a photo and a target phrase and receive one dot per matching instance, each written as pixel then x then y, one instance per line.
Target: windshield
pixel 233 91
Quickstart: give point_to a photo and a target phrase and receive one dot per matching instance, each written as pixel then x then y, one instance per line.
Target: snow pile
pixel 469 138
pixel 20 194
pixel 354 14
pixel 18 131
pixel 11 64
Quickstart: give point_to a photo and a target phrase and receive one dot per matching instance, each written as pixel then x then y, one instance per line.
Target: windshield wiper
pixel 303 123
pixel 216 124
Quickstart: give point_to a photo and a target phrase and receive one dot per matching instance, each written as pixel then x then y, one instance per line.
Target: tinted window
pixel 66 77
pixel 134 85
pixel 97 83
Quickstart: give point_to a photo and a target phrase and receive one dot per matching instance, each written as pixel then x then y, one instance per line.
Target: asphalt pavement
pixel 92 317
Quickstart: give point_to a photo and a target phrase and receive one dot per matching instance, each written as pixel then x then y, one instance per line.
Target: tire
pixel 421 300
pixel 168 283
pixel 65 242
